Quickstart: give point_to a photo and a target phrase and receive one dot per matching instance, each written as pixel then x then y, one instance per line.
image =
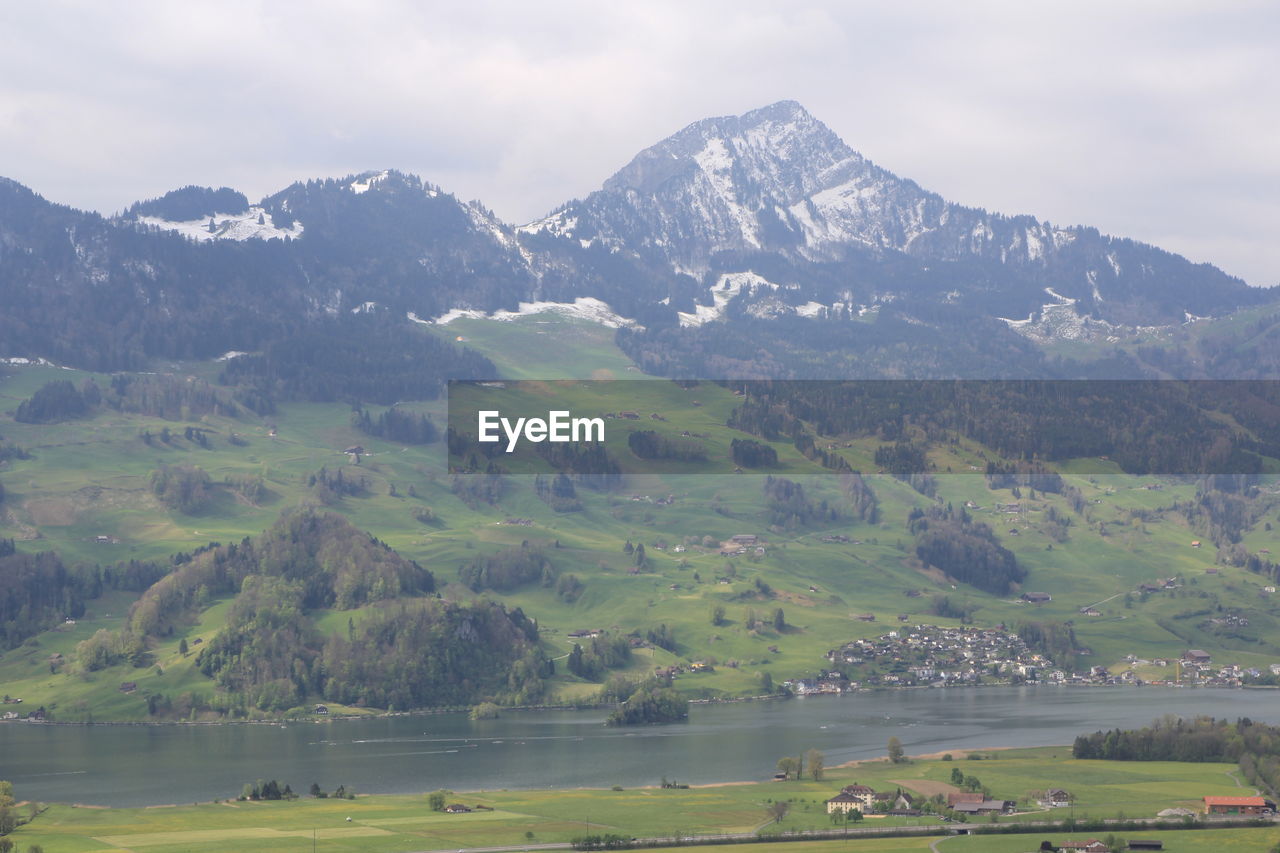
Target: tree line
pixel 1253 746
pixel 1143 426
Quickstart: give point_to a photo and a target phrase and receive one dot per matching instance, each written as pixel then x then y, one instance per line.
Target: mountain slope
pixel 738 230
pixel 777 192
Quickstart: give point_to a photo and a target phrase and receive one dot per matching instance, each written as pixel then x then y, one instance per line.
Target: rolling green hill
pixel 108 488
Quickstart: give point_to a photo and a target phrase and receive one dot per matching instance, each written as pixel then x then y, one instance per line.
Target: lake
pixel 149 765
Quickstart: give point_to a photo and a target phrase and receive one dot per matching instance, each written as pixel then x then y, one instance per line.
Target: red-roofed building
pixel 1238 805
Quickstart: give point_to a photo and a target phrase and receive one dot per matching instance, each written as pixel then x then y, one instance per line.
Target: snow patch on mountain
pixel 1060 320
pixel 558 224
pixel 486 222
pixel 1035 248
pixel 1092 276
pixel 717 165
pixel 253 224
pixel 21 361
pixel 362 184
pixel 583 308
pixel 722 293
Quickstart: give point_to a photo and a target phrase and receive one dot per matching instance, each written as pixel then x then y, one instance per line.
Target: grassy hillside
pixel 86 493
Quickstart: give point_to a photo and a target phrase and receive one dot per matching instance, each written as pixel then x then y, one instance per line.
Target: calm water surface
pixel 147 765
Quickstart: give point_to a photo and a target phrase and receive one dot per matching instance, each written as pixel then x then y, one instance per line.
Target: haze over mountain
pixel 766 217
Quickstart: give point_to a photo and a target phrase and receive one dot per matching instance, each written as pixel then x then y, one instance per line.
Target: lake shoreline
pixel 958 754
pixel 609 706
pixel 136 765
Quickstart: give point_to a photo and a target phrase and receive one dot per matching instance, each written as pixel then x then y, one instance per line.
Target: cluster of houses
pixel 662 500
pixel 864 799
pixel 933 655
pixel 830 682
pixel 1196 666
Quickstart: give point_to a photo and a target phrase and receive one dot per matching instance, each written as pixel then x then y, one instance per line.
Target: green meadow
pixel 401 823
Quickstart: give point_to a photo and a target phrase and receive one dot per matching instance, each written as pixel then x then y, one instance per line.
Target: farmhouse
pixel 852 798
pixel 457 808
pixel 1196 656
pixel 1093 845
pixel 1055 798
pixel 984 807
pixel 1238 805
pixel 842 803
pixel 1037 597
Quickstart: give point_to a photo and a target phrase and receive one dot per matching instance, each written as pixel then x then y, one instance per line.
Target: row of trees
pixel 396 425
pixel 1254 746
pixel 357 358
pixel 1143 426
pixel 793 766
pixel 647 444
pixel 163 396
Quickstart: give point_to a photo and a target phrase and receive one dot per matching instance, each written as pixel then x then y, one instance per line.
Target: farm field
pixel 404 823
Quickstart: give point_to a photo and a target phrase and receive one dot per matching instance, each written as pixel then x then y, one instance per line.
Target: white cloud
pixel 1148 119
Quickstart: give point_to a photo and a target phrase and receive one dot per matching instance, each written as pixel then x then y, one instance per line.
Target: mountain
pixel 751 245
pixel 773 203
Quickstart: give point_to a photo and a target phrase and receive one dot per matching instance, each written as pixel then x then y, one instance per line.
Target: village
pixel 929 655
pixel 934 656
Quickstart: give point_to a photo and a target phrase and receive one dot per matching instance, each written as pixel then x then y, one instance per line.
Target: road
pixel 945 830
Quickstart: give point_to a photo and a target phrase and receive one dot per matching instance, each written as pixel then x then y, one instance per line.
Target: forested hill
pixel 408 650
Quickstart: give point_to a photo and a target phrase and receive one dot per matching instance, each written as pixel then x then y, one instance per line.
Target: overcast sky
pixel 1153 120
